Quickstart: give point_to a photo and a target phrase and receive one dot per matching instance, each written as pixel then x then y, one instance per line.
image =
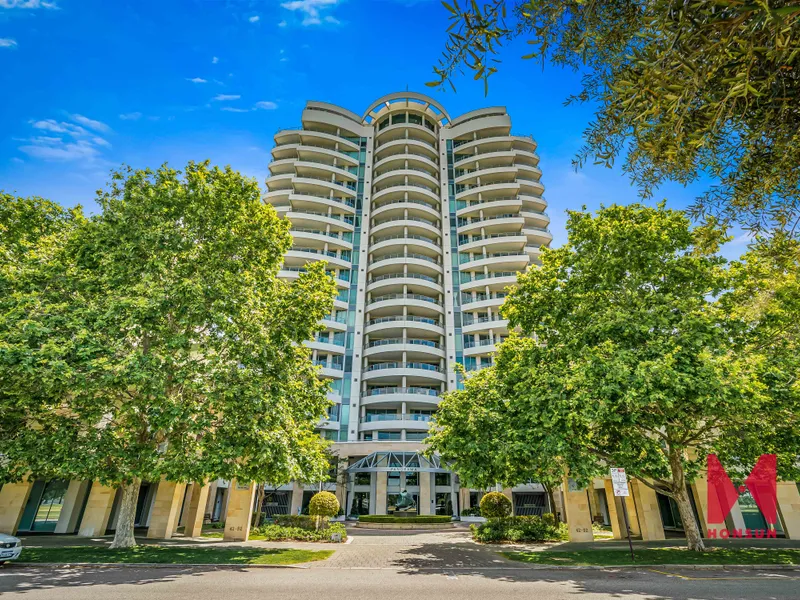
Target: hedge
pixel 300 521
pixel 278 533
pixel 520 529
pixel 393 519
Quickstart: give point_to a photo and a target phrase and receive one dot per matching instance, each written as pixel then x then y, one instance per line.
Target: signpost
pixel 619 481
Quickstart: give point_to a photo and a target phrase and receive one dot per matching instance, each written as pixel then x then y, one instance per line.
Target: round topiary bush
pixel 495 505
pixel 323 504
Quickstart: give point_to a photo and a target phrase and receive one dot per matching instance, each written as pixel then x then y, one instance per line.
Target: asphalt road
pixel 193 583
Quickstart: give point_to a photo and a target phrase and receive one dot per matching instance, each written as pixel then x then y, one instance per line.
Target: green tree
pixel 682 88
pixel 629 358
pixel 489 439
pixel 156 339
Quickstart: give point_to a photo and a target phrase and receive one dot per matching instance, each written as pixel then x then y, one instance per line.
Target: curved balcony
pixel 393 325
pixel 474 325
pixel 332 238
pixel 499 261
pixel 316 152
pixel 532 202
pixel 291 272
pixel 334 325
pixel 407 421
pixel 309 137
pixel 313 254
pixel 405 146
pixel 413 282
pixel 398 395
pixel 414 224
pixel 480 349
pixel 535 218
pixel 392 303
pixel 392 263
pixel 399 206
pixel 482 301
pixel 402 131
pixel 504 188
pixel 284 166
pixel 325 347
pixel 496 158
pixel 414 175
pixel 309 184
pixel 394 241
pixel 413 347
pixel 423 372
pixel 494 143
pixel 472 175
pixel 321 169
pixel 490 224
pixel 495 281
pixel 495 242
pixel 310 201
pixel 306 219
pixel 538 235
pixel 398 161
pixel 489 206
pixel 282 181
pixel 398 191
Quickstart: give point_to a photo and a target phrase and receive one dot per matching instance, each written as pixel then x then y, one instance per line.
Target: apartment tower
pixel 423 220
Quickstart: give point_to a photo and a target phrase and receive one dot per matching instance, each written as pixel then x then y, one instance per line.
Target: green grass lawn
pixel 661 556
pixel 173 555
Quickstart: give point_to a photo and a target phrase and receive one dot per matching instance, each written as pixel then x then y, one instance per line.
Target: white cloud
pixel 266 105
pixel 214 60
pixel 27 4
pixel 8 43
pixel 134 116
pixel 196 80
pixel 283 23
pixel 310 9
pixel 234 110
pixel 66 141
pixel 334 20
pixel 91 123
pixel 226 97
pixel 254 19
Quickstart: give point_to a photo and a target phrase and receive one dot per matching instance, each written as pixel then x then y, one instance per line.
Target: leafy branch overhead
pixel 683 89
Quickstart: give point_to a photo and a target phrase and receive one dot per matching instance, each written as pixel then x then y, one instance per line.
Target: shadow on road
pixel 25 579
pixel 469 559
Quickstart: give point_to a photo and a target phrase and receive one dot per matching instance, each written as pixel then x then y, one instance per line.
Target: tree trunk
pixel 693 537
pixel 123 535
pixel 552 500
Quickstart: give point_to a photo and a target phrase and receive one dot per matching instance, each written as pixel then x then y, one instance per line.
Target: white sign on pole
pixel 619 481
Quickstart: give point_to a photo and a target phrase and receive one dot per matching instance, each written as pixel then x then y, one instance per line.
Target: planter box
pixel 473 519
pixel 339 519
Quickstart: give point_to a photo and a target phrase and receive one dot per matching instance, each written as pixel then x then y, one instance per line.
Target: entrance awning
pixel 408 462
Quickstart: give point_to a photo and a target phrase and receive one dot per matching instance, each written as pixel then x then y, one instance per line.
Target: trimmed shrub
pixel 495 505
pixel 300 521
pixel 393 519
pixel 323 504
pixel 520 529
pixel 278 533
pixel 472 511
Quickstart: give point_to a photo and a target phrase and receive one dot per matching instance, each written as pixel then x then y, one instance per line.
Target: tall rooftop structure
pixel 423 220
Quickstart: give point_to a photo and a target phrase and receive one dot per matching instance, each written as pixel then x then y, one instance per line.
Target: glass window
pixel 50 505
pixel 416 436
pixel 333 412
pixel 442 478
pixel 412 478
pixel 388 435
pixel 336 386
pixel 444 503
pixel 330 435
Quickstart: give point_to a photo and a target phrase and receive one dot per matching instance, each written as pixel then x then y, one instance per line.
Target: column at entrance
pixel 241 496
pixel 425 499
pixel 13 498
pixel 98 510
pixel 579 515
pixel 380 492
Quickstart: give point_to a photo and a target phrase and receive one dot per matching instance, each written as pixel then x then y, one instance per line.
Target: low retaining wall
pixel 404 525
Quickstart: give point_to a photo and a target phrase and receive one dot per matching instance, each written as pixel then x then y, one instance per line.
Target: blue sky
pixel 91 84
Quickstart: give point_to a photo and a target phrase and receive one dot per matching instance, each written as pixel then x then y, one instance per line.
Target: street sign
pixel 619 481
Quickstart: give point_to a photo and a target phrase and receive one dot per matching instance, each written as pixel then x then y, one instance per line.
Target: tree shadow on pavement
pixel 470 559
pixel 20 579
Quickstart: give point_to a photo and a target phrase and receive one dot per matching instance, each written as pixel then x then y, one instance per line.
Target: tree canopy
pixel 628 355
pixel 155 338
pixel 683 89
